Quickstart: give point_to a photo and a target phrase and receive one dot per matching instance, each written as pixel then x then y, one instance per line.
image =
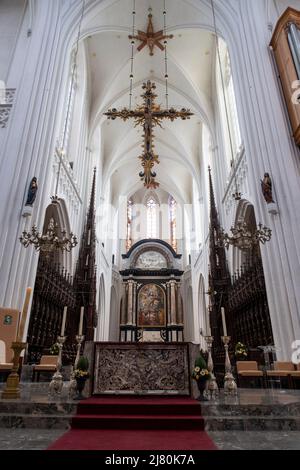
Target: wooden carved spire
pixel 219 278
pixel 85 278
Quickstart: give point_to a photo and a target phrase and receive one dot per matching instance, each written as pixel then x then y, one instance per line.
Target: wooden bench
pixel 249 369
pixel 295 375
pixel 47 364
pixel 282 369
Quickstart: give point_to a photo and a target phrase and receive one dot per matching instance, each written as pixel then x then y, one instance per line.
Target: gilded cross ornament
pixel 149 115
pixel 150 38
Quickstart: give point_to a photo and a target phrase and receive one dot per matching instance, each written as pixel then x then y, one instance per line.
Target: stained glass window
pixel 151 218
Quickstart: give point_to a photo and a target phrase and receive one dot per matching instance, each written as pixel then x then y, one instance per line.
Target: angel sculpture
pixel 266 186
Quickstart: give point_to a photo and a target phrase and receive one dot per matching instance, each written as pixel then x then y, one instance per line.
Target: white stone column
pixel 124 304
pixel 179 307
pixel 130 303
pixel 173 302
pixel 134 303
pixel 168 284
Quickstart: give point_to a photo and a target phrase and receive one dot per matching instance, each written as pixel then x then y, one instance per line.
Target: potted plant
pixel 201 374
pixel 81 374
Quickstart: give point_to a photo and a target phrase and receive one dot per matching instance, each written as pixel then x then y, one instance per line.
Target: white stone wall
pixel 39 71
pixel 268 147
pixel 11 14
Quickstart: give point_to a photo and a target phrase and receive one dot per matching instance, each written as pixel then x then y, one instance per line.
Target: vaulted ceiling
pixel 190 69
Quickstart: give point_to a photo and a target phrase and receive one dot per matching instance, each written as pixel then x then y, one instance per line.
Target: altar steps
pixel 130 423
pixel 140 405
pixel 138 413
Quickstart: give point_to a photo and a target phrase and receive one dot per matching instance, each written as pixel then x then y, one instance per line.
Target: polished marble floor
pixel 250 404
pixel 39 439
pixel 256 440
pixel 28 439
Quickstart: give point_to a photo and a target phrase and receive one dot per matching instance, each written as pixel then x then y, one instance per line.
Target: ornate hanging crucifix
pixel 150 38
pixel 149 115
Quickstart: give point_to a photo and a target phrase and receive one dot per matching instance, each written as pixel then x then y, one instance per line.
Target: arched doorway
pixel 58 213
pixel 247 296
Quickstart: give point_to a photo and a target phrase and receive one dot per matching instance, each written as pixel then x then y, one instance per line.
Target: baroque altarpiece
pixel 151 307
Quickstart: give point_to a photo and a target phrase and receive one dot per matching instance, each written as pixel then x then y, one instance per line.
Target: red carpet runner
pixel 130 423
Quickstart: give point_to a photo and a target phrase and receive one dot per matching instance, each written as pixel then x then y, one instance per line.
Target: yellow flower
pixel 79 373
pixel 197 369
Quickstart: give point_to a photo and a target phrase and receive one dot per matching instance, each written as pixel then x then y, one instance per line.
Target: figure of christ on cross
pixel 149 115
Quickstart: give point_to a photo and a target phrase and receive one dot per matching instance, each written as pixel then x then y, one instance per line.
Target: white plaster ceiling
pixel 190 56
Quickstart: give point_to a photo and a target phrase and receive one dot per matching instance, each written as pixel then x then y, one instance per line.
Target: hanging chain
pixel 237 195
pixel 132 56
pixel 74 66
pixel 166 55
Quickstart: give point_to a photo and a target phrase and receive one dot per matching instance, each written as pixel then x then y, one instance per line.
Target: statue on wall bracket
pixel 266 187
pixel 31 195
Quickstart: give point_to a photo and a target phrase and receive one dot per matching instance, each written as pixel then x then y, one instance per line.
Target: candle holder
pixel 56 384
pixel 72 386
pixel 230 386
pixel 212 389
pixel 79 339
pixel 12 389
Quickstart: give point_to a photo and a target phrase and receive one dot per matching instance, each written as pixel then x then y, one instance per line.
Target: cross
pixel 150 38
pixel 149 115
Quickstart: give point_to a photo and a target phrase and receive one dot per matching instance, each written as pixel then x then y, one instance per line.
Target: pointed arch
pixel 59 213
pixel 245 213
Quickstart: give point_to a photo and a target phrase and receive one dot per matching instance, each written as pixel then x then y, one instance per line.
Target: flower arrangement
pixel 241 350
pixel 54 350
pixel 200 371
pixel 200 374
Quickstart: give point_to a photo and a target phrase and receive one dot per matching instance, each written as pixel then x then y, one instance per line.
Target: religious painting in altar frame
pixel 151 307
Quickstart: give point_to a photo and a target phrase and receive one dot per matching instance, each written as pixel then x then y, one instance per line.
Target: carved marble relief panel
pixel 147 368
